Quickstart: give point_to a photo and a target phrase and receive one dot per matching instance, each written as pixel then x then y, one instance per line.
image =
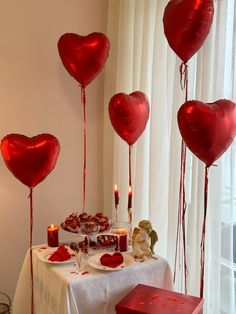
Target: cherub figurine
pixel 143 240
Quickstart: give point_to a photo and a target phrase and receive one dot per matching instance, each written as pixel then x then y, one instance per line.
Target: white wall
pixel 38 96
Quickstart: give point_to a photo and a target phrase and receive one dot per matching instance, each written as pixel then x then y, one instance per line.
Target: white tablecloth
pixel 61 289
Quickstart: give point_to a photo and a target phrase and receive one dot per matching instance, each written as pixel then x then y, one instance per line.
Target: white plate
pixel 94 261
pixel 46 253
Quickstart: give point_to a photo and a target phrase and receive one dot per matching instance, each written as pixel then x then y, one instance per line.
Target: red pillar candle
pixel 53 236
pixel 116 194
pixel 122 239
pixel 130 197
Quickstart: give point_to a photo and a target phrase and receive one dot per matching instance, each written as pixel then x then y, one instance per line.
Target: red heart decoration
pixel 83 56
pixel 208 129
pixel 113 260
pixel 187 24
pixel 60 255
pixel 129 115
pixel 30 160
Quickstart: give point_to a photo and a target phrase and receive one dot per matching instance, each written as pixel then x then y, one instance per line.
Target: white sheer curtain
pixel 141 59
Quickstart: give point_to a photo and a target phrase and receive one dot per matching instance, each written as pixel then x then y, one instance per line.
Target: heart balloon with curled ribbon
pixel 83 56
pixel 187 24
pixel 129 115
pixel 208 129
pixel 30 159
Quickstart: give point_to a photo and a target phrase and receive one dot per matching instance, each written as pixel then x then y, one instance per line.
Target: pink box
pixel 151 300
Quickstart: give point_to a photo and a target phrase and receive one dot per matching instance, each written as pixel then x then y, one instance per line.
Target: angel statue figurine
pixel 143 240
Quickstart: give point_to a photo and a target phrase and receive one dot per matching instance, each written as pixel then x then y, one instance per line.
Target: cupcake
pixel 84 217
pixel 72 223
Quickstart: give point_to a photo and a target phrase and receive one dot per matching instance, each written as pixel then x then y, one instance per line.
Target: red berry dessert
pixel 107 240
pixel 72 223
pixel 99 215
pixel 84 217
pixel 99 218
pixel 104 225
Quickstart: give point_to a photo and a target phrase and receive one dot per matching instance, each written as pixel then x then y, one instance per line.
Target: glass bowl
pixel 89 228
pixel 119 227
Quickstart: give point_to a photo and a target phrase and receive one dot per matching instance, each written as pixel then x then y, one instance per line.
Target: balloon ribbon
pixel 130 198
pixel 204 232
pixel 130 180
pixel 181 216
pixel 183 69
pixel 182 202
pixel 83 100
pixel 31 250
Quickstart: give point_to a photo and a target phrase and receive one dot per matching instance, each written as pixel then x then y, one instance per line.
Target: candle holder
pixel 130 225
pixel 89 229
pixel 116 207
pixel 121 230
pixel 130 213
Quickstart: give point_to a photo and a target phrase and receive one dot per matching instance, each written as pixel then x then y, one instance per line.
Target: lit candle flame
pixel 121 231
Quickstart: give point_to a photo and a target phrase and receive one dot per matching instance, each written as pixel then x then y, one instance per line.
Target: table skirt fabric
pixel 62 289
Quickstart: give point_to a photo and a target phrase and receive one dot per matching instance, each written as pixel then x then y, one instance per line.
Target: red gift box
pixel 151 300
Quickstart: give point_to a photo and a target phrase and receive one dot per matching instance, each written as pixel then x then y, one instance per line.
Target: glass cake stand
pixel 89 229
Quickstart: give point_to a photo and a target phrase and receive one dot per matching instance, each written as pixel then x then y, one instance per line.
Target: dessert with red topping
pixel 72 223
pixel 99 215
pixel 102 220
pixel 84 217
pixel 104 224
pixel 107 240
pixel 90 228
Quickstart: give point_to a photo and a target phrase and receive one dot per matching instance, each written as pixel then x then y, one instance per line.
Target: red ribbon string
pixel 83 100
pixel 130 179
pixel 184 207
pixel 181 217
pixel 184 76
pixel 183 69
pixel 182 202
pixel 130 214
pixel 31 250
pixel 204 233
pixel 177 244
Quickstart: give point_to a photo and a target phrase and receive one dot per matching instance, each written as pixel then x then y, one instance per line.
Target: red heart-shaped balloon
pixel 129 115
pixel 112 260
pixel 30 160
pixel 187 24
pixel 83 56
pixel 207 129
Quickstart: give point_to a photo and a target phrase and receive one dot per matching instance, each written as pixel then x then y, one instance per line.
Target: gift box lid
pixel 151 300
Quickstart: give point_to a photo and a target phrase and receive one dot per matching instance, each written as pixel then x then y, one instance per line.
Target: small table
pixel 62 289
